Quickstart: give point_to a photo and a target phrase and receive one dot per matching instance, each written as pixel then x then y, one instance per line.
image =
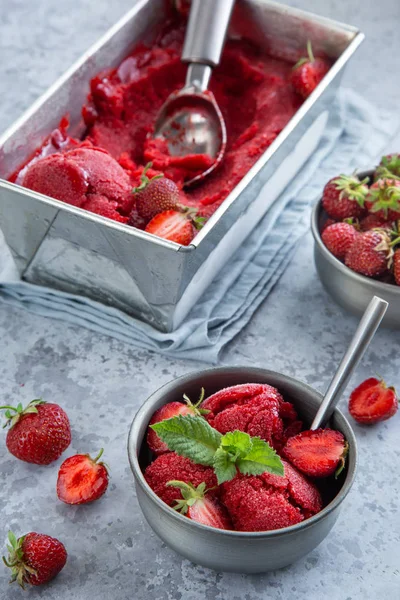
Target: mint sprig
pixel 189 436
pixel 193 438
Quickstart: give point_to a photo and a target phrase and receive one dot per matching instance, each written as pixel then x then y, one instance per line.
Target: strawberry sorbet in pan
pixel 102 171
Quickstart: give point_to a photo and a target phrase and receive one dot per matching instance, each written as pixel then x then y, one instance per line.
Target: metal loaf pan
pixel 67 248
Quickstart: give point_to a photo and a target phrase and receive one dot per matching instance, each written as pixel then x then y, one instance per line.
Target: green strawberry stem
pixel 100 454
pixel 196 407
pixel 12 419
pixel 15 561
pixel 190 494
pixel 310 51
pixel 352 188
pixel 144 180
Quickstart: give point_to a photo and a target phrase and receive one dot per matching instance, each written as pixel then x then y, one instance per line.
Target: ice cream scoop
pixel 190 121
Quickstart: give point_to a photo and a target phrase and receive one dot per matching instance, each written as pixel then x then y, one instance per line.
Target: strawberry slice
pixel 318 453
pixel 172 409
pixel 200 506
pixel 172 225
pixel 82 479
pixel 372 401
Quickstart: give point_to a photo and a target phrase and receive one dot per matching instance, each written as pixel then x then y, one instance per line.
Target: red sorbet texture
pixel 257 409
pixel 265 502
pixel 170 466
pixel 252 89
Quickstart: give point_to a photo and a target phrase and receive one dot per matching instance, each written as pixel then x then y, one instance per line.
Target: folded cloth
pixel 356 133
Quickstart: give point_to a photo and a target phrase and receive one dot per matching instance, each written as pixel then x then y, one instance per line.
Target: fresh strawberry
pixel 200 506
pixel 372 401
pixel 39 433
pixel 172 225
pixel 34 558
pixel 388 167
pixel 344 196
pixel 396 266
pixel 318 453
pixel 370 253
pixel 374 221
pixel 327 223
pixel 383 199
pixel 172 409
pixel 136 220
pixel 82 479
pixel 308 72
pixel 183 7
pixel 338 238
pixel 155 195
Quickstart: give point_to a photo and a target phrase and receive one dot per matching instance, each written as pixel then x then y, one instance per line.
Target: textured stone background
pixel 101 382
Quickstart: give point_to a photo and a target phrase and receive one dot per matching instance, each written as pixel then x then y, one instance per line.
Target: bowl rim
pixel 245 535
pixel 376 286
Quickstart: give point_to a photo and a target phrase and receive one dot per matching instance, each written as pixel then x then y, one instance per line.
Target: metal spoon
pixel 190 121
pixel 369 323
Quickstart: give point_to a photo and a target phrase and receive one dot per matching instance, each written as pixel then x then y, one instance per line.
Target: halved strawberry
pixel 172 409
pixel 200 506
pixel 82 479
pixel 318 453
pixel 172 225
pixel 372 401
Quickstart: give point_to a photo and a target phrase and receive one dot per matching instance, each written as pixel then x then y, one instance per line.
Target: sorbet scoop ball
pixel 190 121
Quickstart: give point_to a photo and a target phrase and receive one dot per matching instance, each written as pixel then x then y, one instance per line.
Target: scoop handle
pixel 206 31
pixel 365 332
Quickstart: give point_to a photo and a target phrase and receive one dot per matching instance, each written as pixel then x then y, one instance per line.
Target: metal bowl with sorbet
pixel 349 289
pixel 238 551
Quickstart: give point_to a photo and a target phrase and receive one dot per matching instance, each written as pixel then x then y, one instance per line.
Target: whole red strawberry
pixel 338 238
pixel 374 221
pixel 34 558
pixel 396 266
pixel 173 226
pixel 372 401
pixel 155 195
pixel 39 433
pixel 317 453
pixel 383 199
pixel 308 72
pixel 172 409
pixel 82 479
pixel 200 506
pixel 388 167
pixel 369 254
pixel 344 196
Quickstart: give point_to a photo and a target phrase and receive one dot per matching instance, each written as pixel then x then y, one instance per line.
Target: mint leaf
pixel 237 443
pixel 189 436
pixel 259 459
pixel 224 466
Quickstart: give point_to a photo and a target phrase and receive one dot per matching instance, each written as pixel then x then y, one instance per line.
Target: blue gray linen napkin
pixel 355 136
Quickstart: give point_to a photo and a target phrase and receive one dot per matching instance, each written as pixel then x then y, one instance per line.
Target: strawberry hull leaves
pixel 193 438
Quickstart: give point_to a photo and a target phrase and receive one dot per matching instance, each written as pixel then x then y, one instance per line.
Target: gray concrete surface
pixel 102 382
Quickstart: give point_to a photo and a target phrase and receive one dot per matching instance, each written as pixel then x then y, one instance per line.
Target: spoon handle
pixel 365 332
pixel 206 31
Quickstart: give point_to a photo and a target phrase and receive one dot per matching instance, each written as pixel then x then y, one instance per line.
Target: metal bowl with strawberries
pixel 245 501
pixel 356 229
